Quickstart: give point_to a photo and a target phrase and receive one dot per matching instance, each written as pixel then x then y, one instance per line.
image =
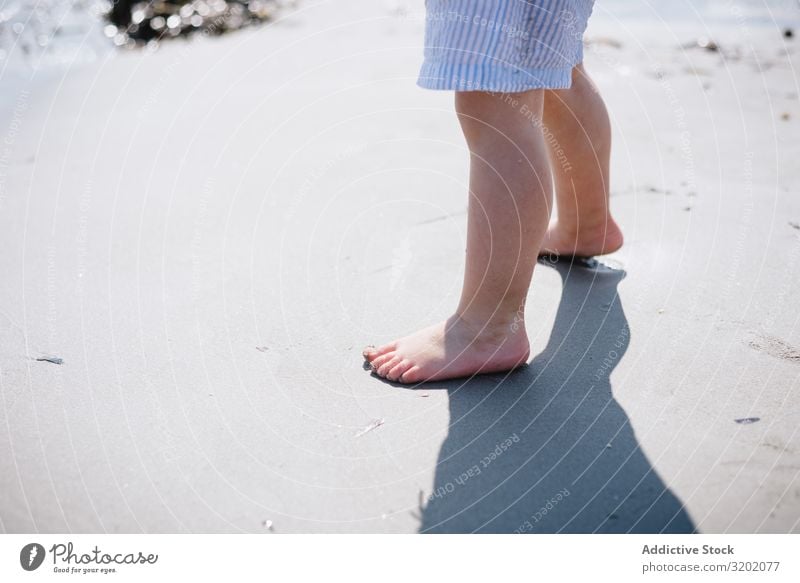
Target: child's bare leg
pixel 510 198
pixel 578 121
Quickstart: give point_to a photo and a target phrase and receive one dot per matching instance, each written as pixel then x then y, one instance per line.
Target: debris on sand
pixel 374 425
pixel 785 116
pixel 794 225
pixel 704 43
pixel 267 524
pixel 775 347
pixel 262 348
pixel 51 359
pixel 788 33
pixel 747 420
pixel 698 71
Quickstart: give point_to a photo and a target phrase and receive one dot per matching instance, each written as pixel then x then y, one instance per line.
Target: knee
pixel 484 116
pixel 473 105
pixel 473 109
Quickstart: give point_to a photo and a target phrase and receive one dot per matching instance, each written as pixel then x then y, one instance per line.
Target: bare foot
pixel 603 239
pixel 451 349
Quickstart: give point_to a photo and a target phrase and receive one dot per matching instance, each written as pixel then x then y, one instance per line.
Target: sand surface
pixel 207 236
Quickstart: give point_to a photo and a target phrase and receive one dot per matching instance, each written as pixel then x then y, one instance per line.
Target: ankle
pixel 593 228
pixel 497 326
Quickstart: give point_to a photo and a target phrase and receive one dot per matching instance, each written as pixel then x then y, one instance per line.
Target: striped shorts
pixel 502 45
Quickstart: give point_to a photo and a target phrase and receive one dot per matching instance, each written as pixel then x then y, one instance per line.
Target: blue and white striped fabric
pixel 502 45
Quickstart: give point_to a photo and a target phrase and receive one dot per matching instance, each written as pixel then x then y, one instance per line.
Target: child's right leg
pixel 578 121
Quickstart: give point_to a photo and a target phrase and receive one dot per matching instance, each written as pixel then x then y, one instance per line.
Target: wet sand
pixel 207 235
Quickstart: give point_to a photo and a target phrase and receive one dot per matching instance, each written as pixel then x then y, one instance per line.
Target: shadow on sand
pixel 547 448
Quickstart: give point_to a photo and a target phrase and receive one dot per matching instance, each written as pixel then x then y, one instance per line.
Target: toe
pixel 410 376
pixel 379 361
pixel 384 369
pixel 371 353
pixel 398 370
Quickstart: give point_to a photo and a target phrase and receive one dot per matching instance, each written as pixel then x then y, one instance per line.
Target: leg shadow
pixel 546 448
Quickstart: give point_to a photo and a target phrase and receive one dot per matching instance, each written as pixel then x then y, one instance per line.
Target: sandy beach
pixel 198 241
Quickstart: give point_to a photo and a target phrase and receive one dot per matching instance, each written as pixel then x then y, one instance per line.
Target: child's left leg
pixel 509 208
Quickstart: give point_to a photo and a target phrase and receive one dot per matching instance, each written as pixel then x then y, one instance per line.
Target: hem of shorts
pixel 491 78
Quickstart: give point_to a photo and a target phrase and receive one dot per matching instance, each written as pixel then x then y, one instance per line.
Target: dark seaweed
pixel 146 21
